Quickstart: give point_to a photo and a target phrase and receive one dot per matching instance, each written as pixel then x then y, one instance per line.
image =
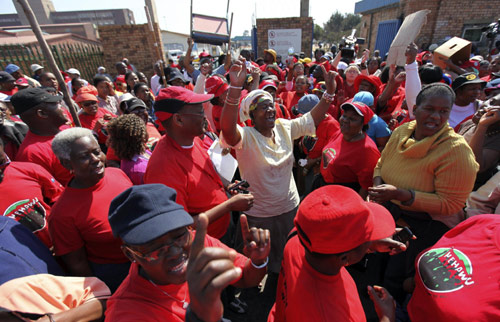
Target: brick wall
pixel 446 19
pixel 135 42
pixel 304 23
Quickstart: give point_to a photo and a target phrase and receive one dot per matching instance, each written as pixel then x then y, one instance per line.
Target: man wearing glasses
pixel 181 162
pixel 157 239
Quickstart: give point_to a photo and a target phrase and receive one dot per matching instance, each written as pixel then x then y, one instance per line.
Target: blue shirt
pixel 22 253
pixel 377 128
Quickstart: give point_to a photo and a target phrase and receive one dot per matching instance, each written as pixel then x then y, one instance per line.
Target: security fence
pixel 84 57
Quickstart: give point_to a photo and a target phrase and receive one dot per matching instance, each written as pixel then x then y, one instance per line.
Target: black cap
pixel 143 213
pixel 6 77
pixel 175 74
pixel 131 104
pixel 28 98
pixel 466 79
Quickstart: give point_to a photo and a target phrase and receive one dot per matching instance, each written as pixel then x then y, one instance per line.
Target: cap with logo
pixel 466 79
pixel 216 86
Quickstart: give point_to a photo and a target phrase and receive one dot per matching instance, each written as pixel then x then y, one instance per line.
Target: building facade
pixel 381 20
pixel 46 14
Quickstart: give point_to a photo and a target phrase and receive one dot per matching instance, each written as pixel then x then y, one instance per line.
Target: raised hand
pixel 411 53
pixel 330 83
pixel 257 242
pixel 238 72
pixel 209 271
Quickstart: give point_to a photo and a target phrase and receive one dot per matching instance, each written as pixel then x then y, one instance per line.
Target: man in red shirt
pixel 27 191
pixel 7 84
pixel 334 228
pixel 180 161
pixel 154 230
pixel 43 114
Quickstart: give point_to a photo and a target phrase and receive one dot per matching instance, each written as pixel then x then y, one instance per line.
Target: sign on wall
pixel 282 39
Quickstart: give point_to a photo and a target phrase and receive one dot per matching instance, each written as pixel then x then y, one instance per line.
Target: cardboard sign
pixel 406 35
pixel 456 49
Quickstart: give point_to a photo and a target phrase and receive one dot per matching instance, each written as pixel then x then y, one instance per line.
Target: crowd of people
pixel 362 191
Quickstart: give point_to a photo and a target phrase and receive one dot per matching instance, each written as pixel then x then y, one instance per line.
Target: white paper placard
pixel 282 39
pixel 225 164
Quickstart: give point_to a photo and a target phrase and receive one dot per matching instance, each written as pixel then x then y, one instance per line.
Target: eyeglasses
pixel 5 163
pixel 153 256
pixel 89 103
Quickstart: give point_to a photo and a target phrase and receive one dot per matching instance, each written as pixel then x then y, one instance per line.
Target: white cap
pixel 36 67
pixel 101 68
pixel 73 71
pixel 125 97
pixel 342 65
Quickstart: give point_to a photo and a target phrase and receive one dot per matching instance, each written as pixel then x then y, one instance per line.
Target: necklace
pixel 184 303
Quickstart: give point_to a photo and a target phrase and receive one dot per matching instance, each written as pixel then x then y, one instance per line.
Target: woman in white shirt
pixel 265 154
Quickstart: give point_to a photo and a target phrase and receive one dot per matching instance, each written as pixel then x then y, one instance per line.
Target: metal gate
pixel 386 32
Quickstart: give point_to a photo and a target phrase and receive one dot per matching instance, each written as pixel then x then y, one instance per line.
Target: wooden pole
pixel 50 59
pixel 230 31
pixel 157 45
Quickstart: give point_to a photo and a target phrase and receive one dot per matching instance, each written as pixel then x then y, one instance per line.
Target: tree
pixel 339 25
pixel 318 32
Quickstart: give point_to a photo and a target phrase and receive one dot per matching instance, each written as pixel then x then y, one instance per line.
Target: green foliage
pixel 337 26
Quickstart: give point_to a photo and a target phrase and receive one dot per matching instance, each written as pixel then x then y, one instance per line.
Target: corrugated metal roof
pixel 367 5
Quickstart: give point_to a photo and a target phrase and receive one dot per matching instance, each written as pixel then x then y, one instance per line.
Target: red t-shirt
pixel 349 90
pixel 290 99
pixel 11 92
pixel 191 173
pixel 38 149
pixel 281 111
pixel 393 103
pixel 27 192
pixel 80 219
pixel 458 278
pixel 137 299
pixel 348 162
pixel 305 294
pixel 88 121
pixel 326 131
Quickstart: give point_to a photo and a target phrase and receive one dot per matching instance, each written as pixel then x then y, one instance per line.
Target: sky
pixel 174 14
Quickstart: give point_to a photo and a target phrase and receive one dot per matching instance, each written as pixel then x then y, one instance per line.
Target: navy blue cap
pixel 145 212
pixel 306 103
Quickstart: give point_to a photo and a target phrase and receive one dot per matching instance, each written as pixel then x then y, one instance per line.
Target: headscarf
pixel 250 102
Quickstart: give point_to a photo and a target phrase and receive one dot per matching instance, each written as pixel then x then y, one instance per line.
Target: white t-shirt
pixel 460 113
pixel 267 165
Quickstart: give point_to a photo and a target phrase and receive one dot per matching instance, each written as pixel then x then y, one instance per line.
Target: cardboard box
pixel 456 49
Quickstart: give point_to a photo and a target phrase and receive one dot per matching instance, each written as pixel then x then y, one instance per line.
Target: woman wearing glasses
pixel 78 223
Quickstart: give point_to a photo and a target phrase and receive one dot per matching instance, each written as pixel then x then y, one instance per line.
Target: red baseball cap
pixel 86 93
pixel 334 219
pixel 171 99
pixel 267 83
pixel 23 82
pixel 360 108
pixel 216 86
pixel 470 63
